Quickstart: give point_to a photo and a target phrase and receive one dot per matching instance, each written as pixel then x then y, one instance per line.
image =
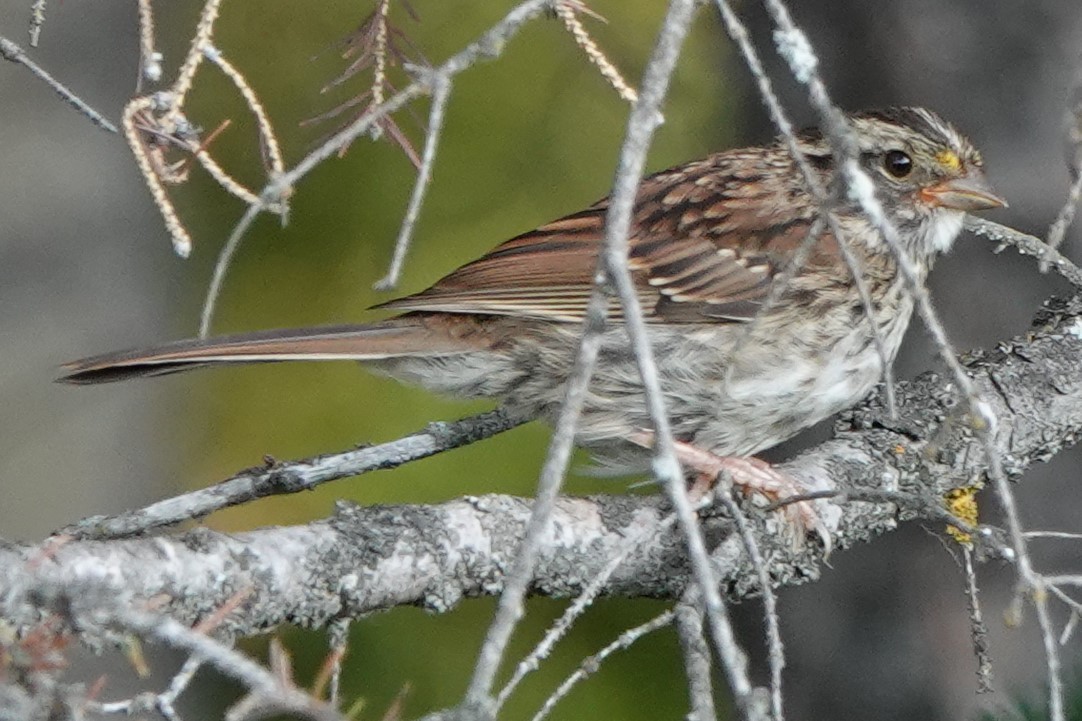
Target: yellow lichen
pixel 962 503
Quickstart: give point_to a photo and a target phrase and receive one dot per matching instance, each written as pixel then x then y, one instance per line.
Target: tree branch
pixel 364 559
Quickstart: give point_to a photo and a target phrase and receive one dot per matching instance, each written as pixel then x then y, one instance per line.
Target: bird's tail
pixel 413 335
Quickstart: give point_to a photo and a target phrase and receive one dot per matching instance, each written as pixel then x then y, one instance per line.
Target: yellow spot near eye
pixel 949 160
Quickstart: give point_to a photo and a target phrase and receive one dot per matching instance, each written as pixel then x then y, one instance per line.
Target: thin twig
pixel 150 60
pixel 796 49
pixel 562 625
pixel 441 92
pixel 775 648
pixel 295 476
pixel 37 20
pixel 1054 534
pixel 1058 230
pixel 509 609
pixel 182 241
pixel 225 259
pixel 1027 245
pixel 186 75
pixel 1039 597
pixel 689 629
pixel 338 641
pixel 978 631
pixel 267 690
pixel 226 181
pixel 1075 608
pixel 1064 218
pixel 379 73
pixel 566 10
pixel 11 51
pixel 645 117
pixel 589 665
pixel 268 141
pixel 1064 580
pixel 179 684
pixel 261 682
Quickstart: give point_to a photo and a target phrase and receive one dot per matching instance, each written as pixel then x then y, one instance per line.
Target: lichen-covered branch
pixel 364 559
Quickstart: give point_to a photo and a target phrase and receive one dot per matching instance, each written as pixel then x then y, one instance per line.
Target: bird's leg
pixel 754 477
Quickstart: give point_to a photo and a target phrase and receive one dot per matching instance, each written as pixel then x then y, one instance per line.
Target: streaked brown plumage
pixel 707 240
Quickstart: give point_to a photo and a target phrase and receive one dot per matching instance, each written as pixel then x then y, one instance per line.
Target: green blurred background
pixel 85 266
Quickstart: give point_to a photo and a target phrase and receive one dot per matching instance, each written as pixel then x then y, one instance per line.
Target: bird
pixel 743 365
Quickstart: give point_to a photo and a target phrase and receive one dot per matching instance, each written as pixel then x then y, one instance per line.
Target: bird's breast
pixel 782 378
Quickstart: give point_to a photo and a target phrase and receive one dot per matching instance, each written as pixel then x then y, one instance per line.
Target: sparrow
pixel 708 241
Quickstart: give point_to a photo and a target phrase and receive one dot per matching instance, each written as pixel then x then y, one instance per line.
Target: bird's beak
pixel 969 193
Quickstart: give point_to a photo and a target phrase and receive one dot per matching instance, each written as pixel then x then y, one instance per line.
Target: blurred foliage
pixel 529 137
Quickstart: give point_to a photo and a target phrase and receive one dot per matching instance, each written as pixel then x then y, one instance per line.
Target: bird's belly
pixel 787 391
pixel 724 392
pixel 773 387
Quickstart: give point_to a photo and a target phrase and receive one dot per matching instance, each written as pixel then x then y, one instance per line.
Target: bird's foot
pixel 756 479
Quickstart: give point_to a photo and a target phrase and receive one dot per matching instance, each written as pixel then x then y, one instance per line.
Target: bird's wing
pixel 706 240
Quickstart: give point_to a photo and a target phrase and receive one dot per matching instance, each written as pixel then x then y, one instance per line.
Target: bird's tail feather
pixel 397 337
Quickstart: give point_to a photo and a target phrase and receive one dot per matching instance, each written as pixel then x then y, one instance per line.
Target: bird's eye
pixel 898 163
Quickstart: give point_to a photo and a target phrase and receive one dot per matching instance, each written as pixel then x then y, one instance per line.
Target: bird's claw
pixel 756 479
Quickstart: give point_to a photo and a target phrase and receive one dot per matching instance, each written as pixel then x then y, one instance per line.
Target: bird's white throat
pixel 943 228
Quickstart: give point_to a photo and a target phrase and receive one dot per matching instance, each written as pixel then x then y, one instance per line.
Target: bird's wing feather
pixel 705 244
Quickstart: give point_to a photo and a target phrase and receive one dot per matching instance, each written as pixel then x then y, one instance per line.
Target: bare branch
pixel 574 611
pixel 566 10
pixel 775 649
pixel 186 75
pixel 1026 245
pixel 612 263
pixel 1058 230
pixel 978 630
pixel 689 629
pixel 11 51
pixel 150 60
pixel 221 266
pixel 441 93
pixel 291 477
pixel 37 21
pixel 268 141
pixel 589 665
